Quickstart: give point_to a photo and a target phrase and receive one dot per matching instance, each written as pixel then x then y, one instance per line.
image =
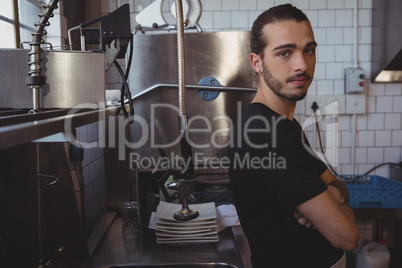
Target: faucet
pixel 184 183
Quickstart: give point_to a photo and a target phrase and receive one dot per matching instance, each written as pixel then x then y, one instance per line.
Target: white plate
pixel 187 231
pixel 191 235
pixel 183 229
pixel 204 224
pixel 201 239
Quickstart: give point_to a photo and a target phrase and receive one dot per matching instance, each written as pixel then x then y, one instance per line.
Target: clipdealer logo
pixel 213 129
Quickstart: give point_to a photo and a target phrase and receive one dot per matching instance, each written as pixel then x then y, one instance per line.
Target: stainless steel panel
pixel 156 122
pixel 222 55
pixel 386 52
pixel 72 78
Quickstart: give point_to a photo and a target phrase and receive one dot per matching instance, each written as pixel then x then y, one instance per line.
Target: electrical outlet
pixel 328 104
pixel 320 100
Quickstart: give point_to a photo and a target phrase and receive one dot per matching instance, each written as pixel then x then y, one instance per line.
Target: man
pixel 292 209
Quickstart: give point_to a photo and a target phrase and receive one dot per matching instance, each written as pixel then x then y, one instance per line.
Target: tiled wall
pixel 379 131
pixel 93 176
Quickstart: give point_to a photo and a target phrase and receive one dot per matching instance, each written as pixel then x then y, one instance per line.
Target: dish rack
pixel 368 191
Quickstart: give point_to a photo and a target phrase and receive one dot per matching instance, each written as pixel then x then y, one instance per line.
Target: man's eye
pixel 283 54
pixel 309 51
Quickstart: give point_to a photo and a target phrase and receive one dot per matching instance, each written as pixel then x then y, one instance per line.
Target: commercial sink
pixel 228 252
pixel 174 265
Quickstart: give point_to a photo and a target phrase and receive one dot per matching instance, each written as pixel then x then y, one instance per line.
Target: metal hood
pixel 386 52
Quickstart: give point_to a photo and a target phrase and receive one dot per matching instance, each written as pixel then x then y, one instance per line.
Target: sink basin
pixel 174 265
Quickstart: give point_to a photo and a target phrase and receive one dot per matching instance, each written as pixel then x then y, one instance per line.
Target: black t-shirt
pixel 273 170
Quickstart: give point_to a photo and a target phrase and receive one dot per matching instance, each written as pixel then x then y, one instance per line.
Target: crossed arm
pixel 330 214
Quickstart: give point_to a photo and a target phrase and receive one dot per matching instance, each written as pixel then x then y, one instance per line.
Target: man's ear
pixel 255 61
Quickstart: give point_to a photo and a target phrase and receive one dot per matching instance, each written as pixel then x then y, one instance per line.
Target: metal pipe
pixel 38 204
pixel 35 80
pixel 356 30
pixel 181 61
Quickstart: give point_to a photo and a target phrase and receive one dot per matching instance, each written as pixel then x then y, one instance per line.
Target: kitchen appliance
pixel 72 78
pixel 386 41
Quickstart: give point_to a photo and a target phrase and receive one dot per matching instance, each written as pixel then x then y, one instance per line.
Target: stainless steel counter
pixel 112 252
pixel 18 127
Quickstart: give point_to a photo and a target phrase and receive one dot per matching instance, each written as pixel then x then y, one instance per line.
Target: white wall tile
pixel 207 20
pixel 230 4
pixel 222 19
pixel 334 36
pixel 398 104
pixel 339 87
pixel 343 123
pixel 366 138
pixel 239 19
pixel 252 16
pixel 212 5
pixel 343 53
pixel 265 4
pixel 393 89
pixel 371 104
pixel 361 155
pixel 383 138
pixel 344 18
pixel 366 4
pixel 281 2
pixel 325 53
pixel 320 36
pixel 325 87
pixel 334 4
pixel 397 138
pixel 326 18
pixel 301 4
pixel 361 123
pixel 392 155
pixel 334 71
pixel 348 35
pixel 349 4
pixel 346 139
pixel 313 17
pixel 376 89
pixel 393 121
pixel 318 4
pixel 364 35
pixel 375 121
pixel 364 53
pixel 364 17
pixel 248 5
pixel 384 104
pixel 375 155
pixel 344 156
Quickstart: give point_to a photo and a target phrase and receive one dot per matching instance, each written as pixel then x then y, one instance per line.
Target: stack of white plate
pixel 171 231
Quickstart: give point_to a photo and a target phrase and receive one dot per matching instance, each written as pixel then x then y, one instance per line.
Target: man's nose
pixel 300 63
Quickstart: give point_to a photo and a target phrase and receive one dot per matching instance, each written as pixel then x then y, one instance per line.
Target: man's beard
pixel 276 86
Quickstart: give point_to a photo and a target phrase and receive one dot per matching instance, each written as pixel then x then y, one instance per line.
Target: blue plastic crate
pixel 373 191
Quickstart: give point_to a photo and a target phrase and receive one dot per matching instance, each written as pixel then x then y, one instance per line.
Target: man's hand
pixel 330 180
pixel 336 194
pixel 302 220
